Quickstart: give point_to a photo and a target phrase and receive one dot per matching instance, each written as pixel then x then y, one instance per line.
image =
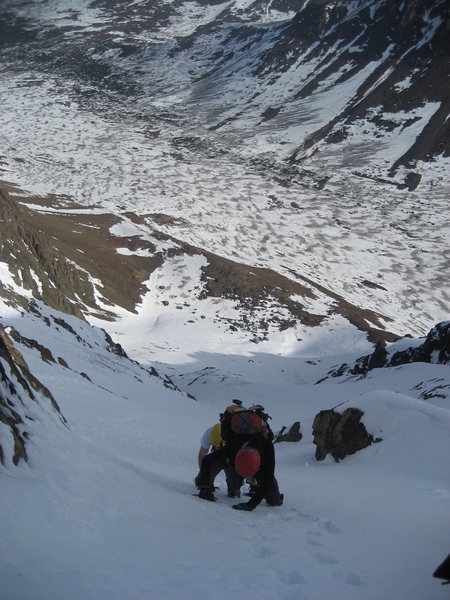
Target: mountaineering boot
pixel 274 498
pixel 276 501
pixel 207 493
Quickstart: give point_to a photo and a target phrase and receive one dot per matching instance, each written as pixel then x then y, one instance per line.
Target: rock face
pixel 434 349
pixel 412 65
pixel 57 258
pixel 18 389
pixel 340 434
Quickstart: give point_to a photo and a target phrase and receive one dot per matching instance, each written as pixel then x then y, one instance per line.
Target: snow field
pixel 349 232
pixel 104 508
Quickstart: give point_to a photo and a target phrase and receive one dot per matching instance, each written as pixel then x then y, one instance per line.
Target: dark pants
pixel 212 464
pixel 273 496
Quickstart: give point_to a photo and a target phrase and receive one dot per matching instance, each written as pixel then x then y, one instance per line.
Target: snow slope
pixel 104 507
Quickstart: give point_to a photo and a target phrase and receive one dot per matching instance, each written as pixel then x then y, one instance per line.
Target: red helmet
pixel 247 461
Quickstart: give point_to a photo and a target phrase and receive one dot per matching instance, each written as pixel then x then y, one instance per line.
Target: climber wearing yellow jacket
pixel 212 440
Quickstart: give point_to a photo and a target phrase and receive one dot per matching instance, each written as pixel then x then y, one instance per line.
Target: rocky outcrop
pixel 18 388
pixel 340 434
pixel 69 259
pixel 408 42
pixel 434 349
pixel 293 434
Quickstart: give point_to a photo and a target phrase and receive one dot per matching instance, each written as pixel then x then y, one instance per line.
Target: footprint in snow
pixel 329 526
pixel 264 552
pixel 326 560
pixel 291 577
pixel 349 577
pixel 313 542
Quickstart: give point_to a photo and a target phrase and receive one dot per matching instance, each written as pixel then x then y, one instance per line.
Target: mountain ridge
pixel 202 201
pixel 68 258
pixel 211 141
pixel 213 138
pixel 402 47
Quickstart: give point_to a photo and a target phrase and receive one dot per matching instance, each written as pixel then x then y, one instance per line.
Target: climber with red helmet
pixel 244 456
pixel 256 460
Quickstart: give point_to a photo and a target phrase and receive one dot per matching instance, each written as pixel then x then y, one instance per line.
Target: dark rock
pixel 376 360
pixel 443 570
pixel 412 180
pixel 270 113
pixel 373 285
pixel 323 427
pixel 113 346
pixel 292 435
pixel 434 349
pixel 86 376
pixel 340 434
pixel 45 353
pixel 350 435
pixel 18 386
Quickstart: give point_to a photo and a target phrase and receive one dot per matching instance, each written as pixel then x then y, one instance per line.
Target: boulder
pixel 293 434
pixel 443 570
pixel 323 427
pixel 340 434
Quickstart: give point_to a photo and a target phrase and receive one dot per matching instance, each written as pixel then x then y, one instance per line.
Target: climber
pixel 256 460
pixel 245 453
pixel 212 463
pixel 211 438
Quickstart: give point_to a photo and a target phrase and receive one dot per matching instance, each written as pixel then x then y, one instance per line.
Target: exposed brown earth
pixel 55 249
pixel 66 249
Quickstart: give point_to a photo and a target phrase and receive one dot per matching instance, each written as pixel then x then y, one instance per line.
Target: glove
pixel 243 506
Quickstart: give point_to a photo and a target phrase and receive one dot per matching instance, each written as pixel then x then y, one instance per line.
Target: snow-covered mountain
pixel 207 200
pixel 361 82
pixel 251 130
